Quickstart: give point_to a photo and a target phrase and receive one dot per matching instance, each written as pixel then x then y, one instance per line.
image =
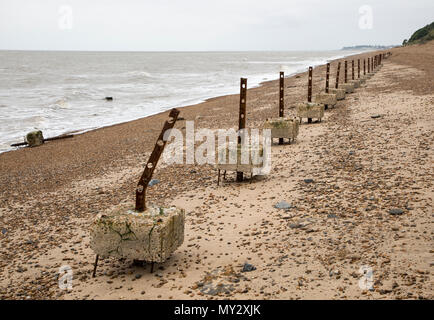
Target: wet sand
pixel 362 167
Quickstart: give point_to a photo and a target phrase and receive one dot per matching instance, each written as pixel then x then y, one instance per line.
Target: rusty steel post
pixel 327 83
pixel 152 162
pixel 337 75
pixel 309 90
pixel 242 117
pixel 346 79
pixel 369 65
pixel 358 68
pixel 281 98
pixel 364 67
pixel 352 69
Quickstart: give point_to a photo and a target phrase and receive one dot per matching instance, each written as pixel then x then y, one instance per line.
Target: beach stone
pixel 283 127
pixel 349 87
pixel 34 138
pixel 308 180
pixel 310 110
pixel 153 182
pixel 329 99
pixel 283 205
pixel 376 116
pixel 247 267
pixel 152 235
pixel 396 211
pixel 339 92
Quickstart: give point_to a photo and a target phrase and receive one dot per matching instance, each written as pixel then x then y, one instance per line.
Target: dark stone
pixel 138 276
pixel 308 180
pixel 396 211
pixel 4 231
pixel 375 116
pixel 109 98
pixel 248 267
pixel 331 215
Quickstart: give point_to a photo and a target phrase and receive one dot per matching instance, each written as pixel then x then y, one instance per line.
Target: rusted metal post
pixel 352 69
pixel 242 117
pixel 152 162
pixel 281 98
pixel 369 65
pixel 364 67
pixel 358 68
pixel 309 90
pixel 337 75
pixel 346 69
pixel 95 265
pixel 327 83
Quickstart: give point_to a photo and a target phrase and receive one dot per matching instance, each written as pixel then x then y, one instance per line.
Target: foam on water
pixel 60 92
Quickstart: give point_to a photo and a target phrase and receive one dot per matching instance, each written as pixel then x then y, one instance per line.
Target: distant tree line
pixel 422 35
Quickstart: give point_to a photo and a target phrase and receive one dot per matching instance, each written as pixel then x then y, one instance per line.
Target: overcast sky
pixel 190 25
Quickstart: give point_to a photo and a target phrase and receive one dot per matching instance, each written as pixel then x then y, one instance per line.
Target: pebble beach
pixel 354 191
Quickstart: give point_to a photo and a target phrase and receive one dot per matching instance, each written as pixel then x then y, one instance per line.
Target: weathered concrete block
pixel 355 82
pixel 152 235
pixel 349 87
pixel 340 93
pixel 34 138
pixel 236 157
pixel 282 128
pixel 310 110
pixel 329 99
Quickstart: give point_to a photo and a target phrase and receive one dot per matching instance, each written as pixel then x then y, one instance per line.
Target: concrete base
pixel 329 99
pixel 349 87
pixel 310 110
pixel 152 235
pixel 340 93
pixel 229 161
pixel 34 138
pixel 286 128
pixel 355 82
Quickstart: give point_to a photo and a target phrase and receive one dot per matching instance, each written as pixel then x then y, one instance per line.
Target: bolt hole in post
pixel 242 117
pixel 309 91
pixel 281 99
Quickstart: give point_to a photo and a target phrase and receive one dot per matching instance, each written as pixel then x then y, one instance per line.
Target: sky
pixel 204 25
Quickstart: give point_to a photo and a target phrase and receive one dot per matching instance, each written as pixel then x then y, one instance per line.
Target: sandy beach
pixel 361 167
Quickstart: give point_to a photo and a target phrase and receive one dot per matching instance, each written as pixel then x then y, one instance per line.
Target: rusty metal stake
pixel 369 65
pixel 337 75
pixel 352 69
pixel 309 90
pixel 358 68
pixel 281 98
pixel 327 83
pixel 346 69
pixel 364 67
pixel 152 162
pixel 95 266
pixel 242 117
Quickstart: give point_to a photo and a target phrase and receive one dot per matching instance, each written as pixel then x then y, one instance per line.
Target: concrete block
pixel 349 87
pixel 310 110
pixel 340 93
pixel 152 235
pixel 230 158
pixel 329 99
pixel 34 138
pixel 282 127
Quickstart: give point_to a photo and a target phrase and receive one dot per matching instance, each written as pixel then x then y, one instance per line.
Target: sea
pixel 64 91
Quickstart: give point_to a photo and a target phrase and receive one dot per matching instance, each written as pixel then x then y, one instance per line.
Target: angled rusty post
pixel 242 117
pixel 281 98
pixel 364 67
pixel 346 71
pixel 352 69
pixel 152 162
pixel 309 90
pixel 358 68
pixel 369 65
pixel 337 75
